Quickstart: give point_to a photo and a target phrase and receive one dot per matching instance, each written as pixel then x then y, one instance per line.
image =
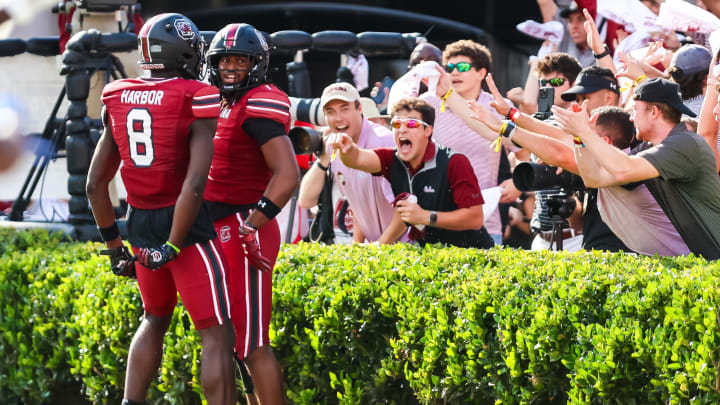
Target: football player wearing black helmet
pixel 246 194
pixel 161 129
pixel 171 42
pixel 247 47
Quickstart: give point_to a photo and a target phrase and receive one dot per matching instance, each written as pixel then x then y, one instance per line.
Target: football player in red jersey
pixel 161 129
pixel 253 174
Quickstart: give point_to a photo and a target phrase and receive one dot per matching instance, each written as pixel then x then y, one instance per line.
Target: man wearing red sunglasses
pixel 447 203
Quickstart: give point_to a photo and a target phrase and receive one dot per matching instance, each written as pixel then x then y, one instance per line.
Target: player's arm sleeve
pixel 263 130
pixel 206 102
pixel 272 105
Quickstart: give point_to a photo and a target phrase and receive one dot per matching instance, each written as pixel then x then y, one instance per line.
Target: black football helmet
pixel 239 39
pixel 171 41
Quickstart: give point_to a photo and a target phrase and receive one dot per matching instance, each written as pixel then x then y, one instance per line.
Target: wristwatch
pixel 321 166
pixel 605 53
pixel 433 218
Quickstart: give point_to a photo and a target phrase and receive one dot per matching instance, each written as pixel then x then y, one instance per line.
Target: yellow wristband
pixel 444 98
pixel 635 83
pixel 173 246
pixel 497 144
pixel 503 127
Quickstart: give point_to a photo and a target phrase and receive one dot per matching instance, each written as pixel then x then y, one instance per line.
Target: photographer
pixel 551 144
pixel 369 197
pixel 676 165
pixel 631 212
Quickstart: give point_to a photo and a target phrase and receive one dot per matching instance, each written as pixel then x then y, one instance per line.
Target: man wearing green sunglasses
pixel 468 63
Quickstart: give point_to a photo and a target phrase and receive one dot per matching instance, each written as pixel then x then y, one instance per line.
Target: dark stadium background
pixel 497 18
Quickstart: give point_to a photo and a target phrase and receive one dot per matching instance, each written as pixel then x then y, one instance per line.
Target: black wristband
pixel 109 233
pixel 268 207
pixel 509 129
pixel 605 53
pixel 320 166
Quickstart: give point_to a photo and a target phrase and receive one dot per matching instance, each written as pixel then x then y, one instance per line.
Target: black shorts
pixel 151 228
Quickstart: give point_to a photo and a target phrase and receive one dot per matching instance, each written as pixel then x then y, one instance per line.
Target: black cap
pixel 589 81
pixel 571 9
pixel 662 91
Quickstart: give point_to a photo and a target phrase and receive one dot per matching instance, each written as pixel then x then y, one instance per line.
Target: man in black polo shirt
pixel 448 207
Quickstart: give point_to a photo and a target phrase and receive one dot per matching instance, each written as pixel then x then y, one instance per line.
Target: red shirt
pixel 239 174
pixel 150 121
pixel 463 183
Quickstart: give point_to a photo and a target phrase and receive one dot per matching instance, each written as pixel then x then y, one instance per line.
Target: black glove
pixel 154 258
pixel 121 262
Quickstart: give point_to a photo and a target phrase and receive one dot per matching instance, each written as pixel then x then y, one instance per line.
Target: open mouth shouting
pixel 404 145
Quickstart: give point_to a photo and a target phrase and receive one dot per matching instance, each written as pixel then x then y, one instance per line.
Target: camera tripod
pixel 55 132
pixel 557 232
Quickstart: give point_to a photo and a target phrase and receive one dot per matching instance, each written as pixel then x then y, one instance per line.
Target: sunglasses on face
pixel 461 67
pixel 410 123
pixel 555 82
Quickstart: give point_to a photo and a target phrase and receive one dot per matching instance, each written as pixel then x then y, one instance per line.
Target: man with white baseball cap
pixel 370 197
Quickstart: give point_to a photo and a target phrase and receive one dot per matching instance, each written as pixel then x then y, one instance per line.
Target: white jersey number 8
pixel 139 130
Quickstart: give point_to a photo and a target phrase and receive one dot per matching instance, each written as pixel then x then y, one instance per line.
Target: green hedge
pixel 395 324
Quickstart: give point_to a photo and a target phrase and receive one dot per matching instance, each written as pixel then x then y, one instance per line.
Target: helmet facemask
pixel 240 40
pixel 253 76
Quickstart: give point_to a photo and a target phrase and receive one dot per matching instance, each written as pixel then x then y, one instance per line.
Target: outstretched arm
pixel 353 156
pixel 623 168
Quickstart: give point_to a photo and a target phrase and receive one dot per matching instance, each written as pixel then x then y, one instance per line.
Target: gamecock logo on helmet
pixel 184 29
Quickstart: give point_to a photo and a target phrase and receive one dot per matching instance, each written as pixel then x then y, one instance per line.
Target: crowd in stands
pixel 620 94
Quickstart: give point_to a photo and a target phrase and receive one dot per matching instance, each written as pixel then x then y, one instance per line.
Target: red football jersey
pixel 239 174
pixel 150 121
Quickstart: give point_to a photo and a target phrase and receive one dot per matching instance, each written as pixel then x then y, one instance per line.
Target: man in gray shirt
pixel 676 165
pixel 574 41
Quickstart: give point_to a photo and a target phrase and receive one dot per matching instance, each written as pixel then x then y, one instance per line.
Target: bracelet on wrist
pixel 635 82
pixel 513 114
pixel 508 129
pixel 321 166
pixel 603 54
pixel 175 248
pixel 444 99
